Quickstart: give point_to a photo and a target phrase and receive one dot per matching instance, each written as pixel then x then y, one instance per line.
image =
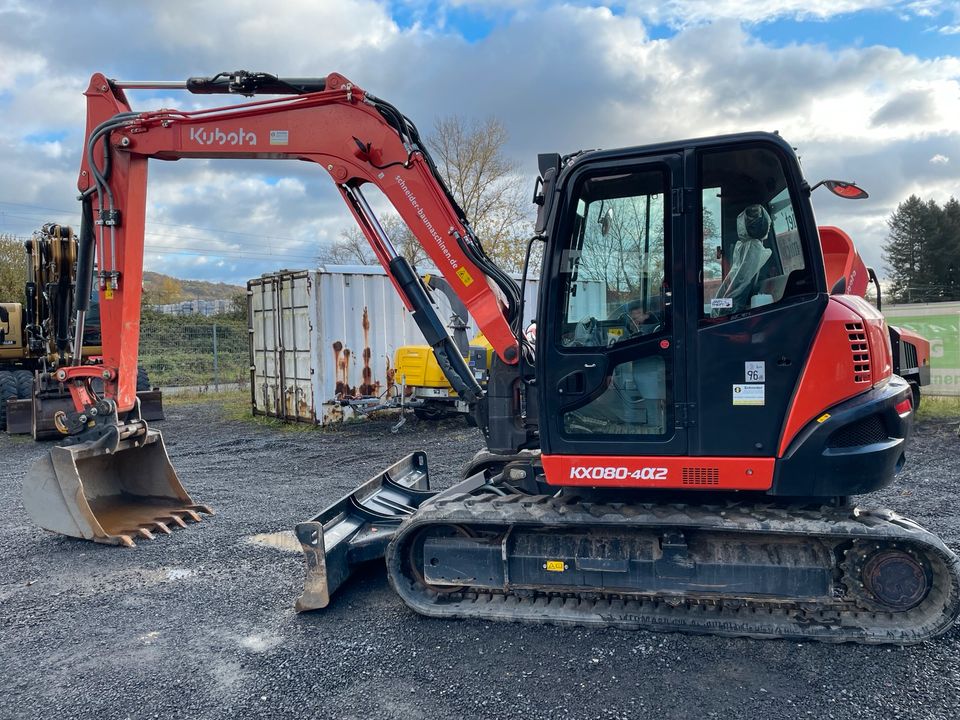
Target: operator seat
pixel 749 257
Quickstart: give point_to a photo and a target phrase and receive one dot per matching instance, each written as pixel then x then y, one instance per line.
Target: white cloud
pixel 925 8
pixel 16 64
pixel 939 159
pixel 306 30
pixel 586 77
pixel 51 149
pixel 688 12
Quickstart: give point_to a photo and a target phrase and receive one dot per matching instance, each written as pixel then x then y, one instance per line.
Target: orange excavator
pixel 678 448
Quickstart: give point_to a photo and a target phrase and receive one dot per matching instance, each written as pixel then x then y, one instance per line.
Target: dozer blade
pixel 19 416
pixel 151 405
pixel 110 496
pixel 358 527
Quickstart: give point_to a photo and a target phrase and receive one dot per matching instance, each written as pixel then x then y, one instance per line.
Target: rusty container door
pixel 360 324
pixel 282 345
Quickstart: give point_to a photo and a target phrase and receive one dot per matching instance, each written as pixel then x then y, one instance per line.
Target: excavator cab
pixel 717 241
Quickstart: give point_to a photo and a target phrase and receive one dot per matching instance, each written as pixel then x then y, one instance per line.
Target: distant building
pixel 195 307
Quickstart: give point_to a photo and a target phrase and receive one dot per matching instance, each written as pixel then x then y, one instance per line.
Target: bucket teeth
pixel 161 525
pixel 175 519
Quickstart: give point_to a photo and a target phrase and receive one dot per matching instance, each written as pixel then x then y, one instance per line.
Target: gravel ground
pixel 201 624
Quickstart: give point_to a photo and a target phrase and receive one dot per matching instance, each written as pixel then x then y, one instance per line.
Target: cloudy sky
pixel 867 90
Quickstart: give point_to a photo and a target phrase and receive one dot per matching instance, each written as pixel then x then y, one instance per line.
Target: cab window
pixel 752 250
pixel 616 262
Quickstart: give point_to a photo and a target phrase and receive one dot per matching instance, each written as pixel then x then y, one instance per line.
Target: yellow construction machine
pixel 425 387
pixel 36 337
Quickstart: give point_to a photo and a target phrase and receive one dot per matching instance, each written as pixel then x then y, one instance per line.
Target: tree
pixel 164 291
pixel 13 269
pixel 905 252
pixel 486 185
pixel 352 248
pixel 922 253
pixel 945 251
pixel 169 291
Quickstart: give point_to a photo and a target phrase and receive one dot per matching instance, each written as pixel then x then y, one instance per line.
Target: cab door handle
pixel 573 384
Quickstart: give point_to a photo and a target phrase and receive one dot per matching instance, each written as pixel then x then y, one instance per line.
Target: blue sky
pixel 918 34
pixel 865 89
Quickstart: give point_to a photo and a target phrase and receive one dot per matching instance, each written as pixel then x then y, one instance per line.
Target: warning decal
pixel 748 394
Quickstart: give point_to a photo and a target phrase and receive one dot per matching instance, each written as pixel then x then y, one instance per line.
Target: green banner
pixel 940 324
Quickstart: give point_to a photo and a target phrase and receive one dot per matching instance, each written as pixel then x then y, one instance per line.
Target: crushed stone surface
pixel 200 624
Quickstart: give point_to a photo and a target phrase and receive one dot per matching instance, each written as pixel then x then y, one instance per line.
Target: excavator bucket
pixel 108 495
pixel 358 527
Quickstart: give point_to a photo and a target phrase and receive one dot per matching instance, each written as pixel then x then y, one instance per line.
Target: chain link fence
pixel 195 352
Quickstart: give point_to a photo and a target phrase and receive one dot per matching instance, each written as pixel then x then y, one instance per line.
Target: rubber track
pixel 838 621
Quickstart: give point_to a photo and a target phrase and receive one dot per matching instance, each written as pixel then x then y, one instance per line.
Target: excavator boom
pixel 358 140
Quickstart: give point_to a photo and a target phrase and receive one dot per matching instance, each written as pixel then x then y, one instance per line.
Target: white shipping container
pixel 321 336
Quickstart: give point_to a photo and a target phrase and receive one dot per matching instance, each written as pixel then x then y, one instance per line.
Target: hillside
pixel 167 289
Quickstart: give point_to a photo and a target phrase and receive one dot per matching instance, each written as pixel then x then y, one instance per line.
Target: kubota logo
pixel 219 137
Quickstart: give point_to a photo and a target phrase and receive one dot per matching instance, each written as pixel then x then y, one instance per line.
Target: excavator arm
pixel 357 138
pixel 111 479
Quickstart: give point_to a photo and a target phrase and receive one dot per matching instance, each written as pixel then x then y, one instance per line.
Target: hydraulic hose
pixel 448 356
pixel 85 257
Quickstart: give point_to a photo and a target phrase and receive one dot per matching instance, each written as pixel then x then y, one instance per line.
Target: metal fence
pixel 207 356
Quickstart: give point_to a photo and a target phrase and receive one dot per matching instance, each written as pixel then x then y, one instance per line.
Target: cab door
pixel 610 350
pixel 760 297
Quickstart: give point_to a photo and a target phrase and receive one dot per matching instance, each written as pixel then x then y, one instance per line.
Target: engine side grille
pixel 867 431
pixel 909 355
pixel 701 476
pixel 861 352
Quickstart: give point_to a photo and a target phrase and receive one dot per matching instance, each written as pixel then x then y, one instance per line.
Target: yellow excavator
pixel 36 338
pixel 426 389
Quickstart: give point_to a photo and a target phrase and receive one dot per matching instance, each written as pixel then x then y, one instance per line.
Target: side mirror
pixel 606 220
pixel 841 188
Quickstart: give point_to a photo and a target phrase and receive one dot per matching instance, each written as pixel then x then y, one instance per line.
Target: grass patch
pixel 234 405
pixel 939 408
